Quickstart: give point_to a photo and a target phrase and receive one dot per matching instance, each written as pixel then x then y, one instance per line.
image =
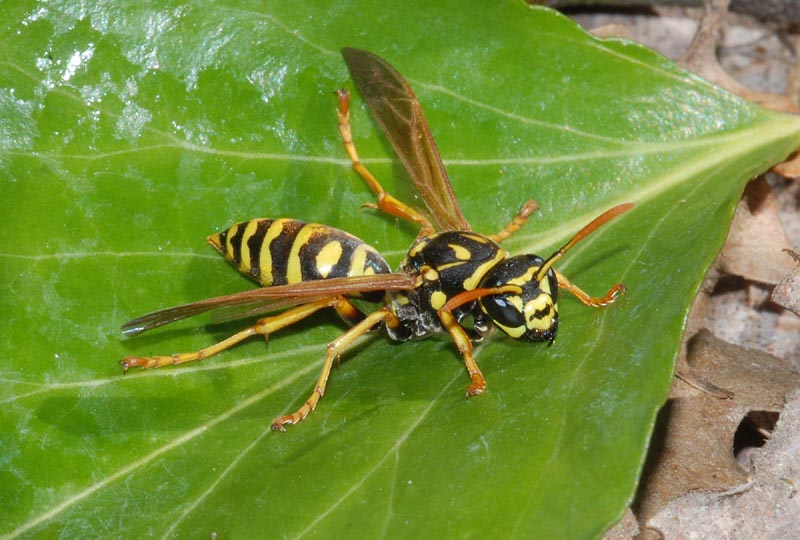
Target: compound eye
pixel 506 311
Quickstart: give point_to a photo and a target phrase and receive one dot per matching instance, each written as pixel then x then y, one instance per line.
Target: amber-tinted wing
pixel 249 303
pixel 399 113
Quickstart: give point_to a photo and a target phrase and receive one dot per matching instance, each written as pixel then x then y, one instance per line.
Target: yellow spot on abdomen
pixel 358 262
pixel 328 257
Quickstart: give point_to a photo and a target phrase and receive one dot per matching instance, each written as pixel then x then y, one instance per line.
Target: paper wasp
pixel 448 274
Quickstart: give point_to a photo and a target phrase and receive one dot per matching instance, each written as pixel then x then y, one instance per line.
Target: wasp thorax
pixel 531 314
pixel 444 265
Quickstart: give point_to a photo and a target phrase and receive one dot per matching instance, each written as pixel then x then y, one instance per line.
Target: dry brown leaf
pixel 789 168
pixel 625 529
pixel 692 448
pixel 701 58
pixel 766 508
pixel 787 292
pixel 612 30
pixel 755 244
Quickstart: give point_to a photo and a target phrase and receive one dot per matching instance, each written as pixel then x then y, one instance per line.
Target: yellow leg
pixel 386 202
pixel 464 345
pixel 264 327
pixel 585 299
pixel 334 351
pixel 516 224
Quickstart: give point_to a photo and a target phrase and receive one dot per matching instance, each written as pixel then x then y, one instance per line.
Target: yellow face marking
pixel 328 257
pixel 538 304
pixel 515 301
pixel 265 260
pixel 545 285
pixel 438 299
pixel 515 331
pixel 460 252
pixel 249 231
pixel 472 281
pixel 294 271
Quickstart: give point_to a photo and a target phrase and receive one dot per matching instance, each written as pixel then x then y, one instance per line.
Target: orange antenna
pixel 581 234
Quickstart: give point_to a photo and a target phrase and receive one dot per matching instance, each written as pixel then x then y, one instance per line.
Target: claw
pixel 478 385
pixel 279 423
pixel 146 362
pixel 134 361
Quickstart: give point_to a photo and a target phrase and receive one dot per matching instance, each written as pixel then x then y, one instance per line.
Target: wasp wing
pixel 399 113
pixel 266 299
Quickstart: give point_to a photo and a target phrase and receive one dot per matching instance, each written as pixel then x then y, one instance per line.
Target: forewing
pixel 267 299
pixel 399 113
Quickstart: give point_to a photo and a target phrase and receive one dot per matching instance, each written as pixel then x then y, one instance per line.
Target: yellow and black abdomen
pixel 284 251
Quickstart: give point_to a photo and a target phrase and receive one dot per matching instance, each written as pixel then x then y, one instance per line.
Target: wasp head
pixel 530 314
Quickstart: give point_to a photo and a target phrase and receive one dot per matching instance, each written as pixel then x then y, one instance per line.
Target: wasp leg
pixel 516 224
pixel 334 351
pixel 264 327
pixel 386 202
pixel 461 336
pixel 587 300
pixel 464 345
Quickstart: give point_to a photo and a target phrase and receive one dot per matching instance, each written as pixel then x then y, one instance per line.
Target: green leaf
pixel 130 131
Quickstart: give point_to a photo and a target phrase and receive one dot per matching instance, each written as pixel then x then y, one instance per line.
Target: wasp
pixel 449 276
